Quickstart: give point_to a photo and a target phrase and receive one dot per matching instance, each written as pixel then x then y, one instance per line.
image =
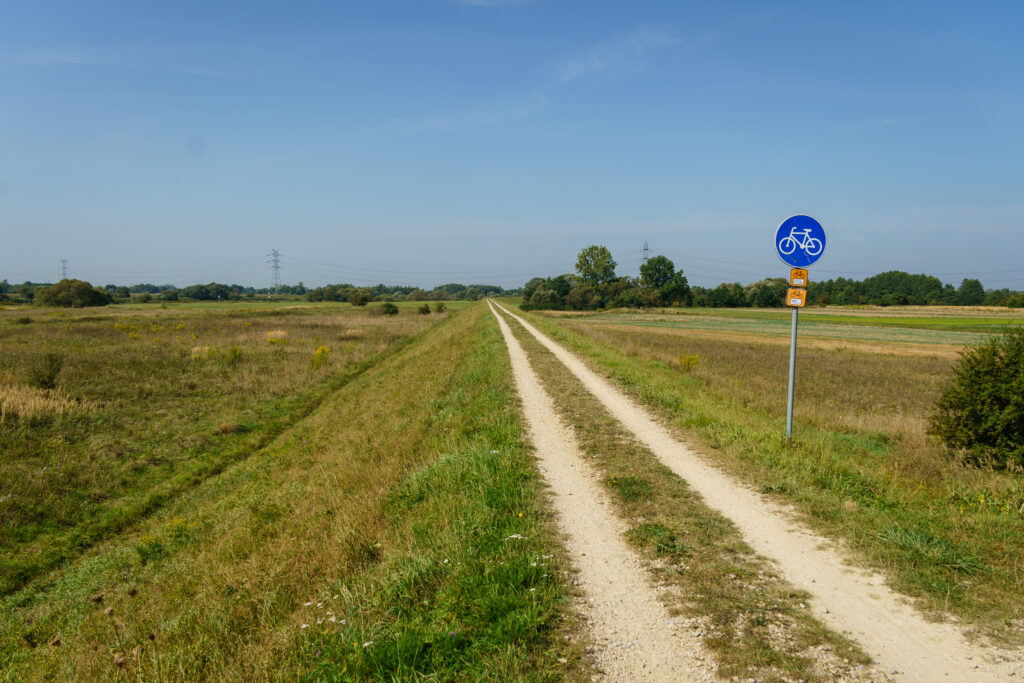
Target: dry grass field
pixel 261 493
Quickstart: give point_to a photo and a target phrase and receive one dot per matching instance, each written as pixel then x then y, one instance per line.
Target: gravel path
pixel 635 638
pixel 852 601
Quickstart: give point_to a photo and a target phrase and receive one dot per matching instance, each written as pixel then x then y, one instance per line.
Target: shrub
pixel 424 309
pixel 980 413
pixel 439 307
pixel 72 294
pixel 43 375
pixel 358 298
pixel 389 308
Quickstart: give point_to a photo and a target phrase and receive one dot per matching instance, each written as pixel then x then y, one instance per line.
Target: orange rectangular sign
pixel 798 277
pixel 796 298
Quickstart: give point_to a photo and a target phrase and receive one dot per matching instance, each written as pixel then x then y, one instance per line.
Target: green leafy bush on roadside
pixel 980 413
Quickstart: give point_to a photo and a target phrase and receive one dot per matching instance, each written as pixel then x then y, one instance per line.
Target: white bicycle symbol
pixel 800 238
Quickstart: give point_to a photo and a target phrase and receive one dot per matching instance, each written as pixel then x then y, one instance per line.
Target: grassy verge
pixel 395 532
pixel 750 619
pixel 860 468
pixel 156 403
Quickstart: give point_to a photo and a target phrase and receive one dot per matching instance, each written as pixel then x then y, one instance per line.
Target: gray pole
pixel 792 379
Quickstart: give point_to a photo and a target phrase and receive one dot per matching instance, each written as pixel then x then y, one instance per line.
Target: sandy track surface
pixel 635 638
pixel 852 601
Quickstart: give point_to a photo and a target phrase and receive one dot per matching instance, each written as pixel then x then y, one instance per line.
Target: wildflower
pixel 307 604
pixel 520 514
pixel 319 605
pixel 334 598
pixel 319 621
pixel 331 619
pixel 305 626
pixel 368 643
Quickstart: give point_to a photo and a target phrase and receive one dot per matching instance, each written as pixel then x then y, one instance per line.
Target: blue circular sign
pixel 800 241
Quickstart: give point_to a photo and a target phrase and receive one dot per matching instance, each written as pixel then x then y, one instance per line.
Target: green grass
pixel 404 504
pixel 751 619
pixel 861 467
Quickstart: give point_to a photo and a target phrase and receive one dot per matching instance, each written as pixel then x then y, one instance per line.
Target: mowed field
pixel 256 492
pixel 862 467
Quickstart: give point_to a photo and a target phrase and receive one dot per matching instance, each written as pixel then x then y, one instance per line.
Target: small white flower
pixel 334 598
pixel 305 626
pixel 306 604
pixel 368 643
pixel 319 621
pixel 319 605
pixel 332 620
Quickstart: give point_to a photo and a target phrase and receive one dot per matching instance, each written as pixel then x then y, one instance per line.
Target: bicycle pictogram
pixel 811 246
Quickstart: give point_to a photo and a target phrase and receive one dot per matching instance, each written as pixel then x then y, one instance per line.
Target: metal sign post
pixel 792 378
pixel 799 242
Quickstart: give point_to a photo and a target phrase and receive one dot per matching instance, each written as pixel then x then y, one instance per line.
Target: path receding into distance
pixel 635 636
pixel 852 601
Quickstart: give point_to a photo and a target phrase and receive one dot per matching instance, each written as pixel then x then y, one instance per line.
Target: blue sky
pixel 489 141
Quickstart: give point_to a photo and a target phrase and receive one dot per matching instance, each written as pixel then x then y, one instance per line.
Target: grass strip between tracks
pixel 922 521
pixel 750 619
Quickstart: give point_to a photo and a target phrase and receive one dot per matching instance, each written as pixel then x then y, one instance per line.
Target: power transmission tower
pixel 275 265
pixel 63 269
pixel 646 252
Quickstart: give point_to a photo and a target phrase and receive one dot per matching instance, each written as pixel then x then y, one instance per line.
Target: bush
pixel 72 294
pixel 44 374
pixel 980 413
pixel 439 307
pixel 424 309
pixel 386 308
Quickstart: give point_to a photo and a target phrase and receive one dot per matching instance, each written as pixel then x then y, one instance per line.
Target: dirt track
pixel 852 601
pixel 635 637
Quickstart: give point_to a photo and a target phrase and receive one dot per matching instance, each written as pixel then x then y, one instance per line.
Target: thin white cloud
pixel 620 56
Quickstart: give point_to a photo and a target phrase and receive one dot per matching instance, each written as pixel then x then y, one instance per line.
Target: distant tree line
pixel 362 295
pixel 595 285
pixel 47 293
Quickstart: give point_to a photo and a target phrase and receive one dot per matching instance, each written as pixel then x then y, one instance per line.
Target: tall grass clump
pixel 980 413
pixel 43 375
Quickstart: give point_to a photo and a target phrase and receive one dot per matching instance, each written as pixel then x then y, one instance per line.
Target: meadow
pixel 862 467
pixel 253 493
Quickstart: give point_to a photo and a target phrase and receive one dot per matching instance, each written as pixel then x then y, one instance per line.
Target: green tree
pixel 595 265
pixel 971 293
pixel 70 293
pixel 657 272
